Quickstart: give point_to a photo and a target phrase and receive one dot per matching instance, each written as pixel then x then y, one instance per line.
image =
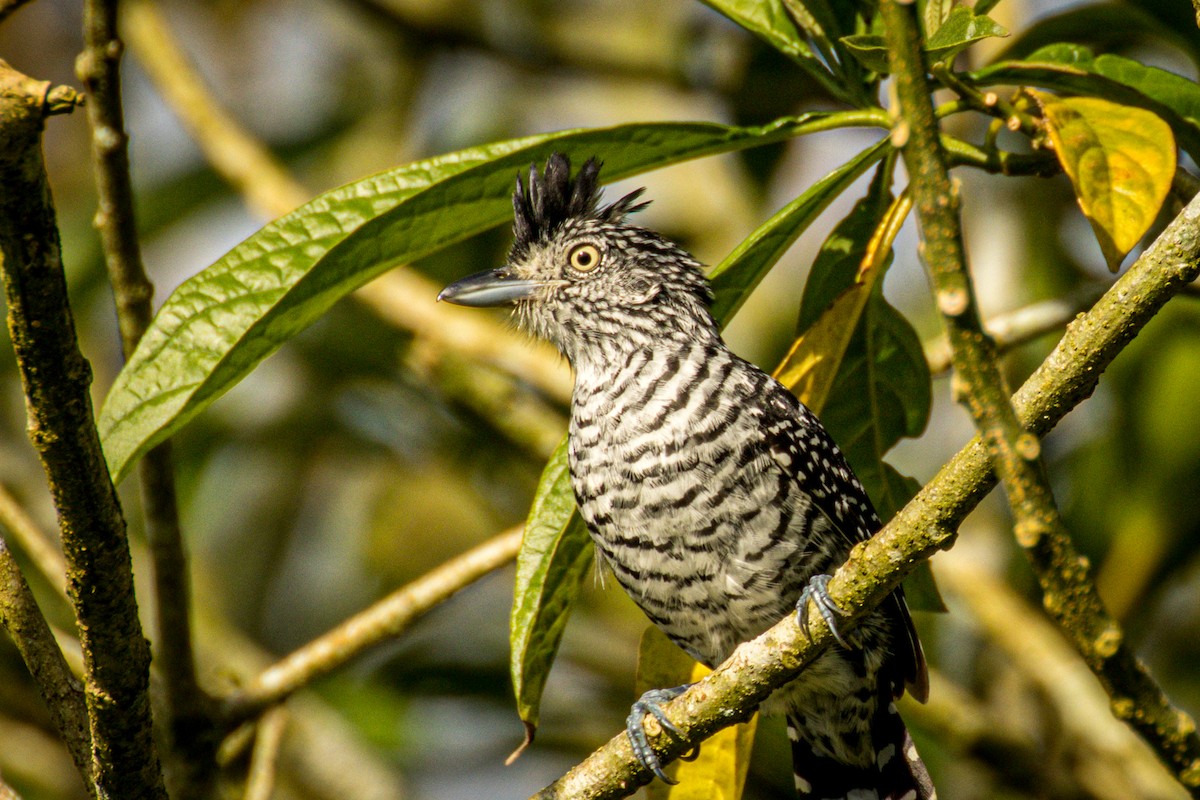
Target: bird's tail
pixel 897 772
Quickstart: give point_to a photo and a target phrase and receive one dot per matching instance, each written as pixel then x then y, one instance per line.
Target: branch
pixel 264 760
pixel 382 621
pixel 56 378
pixel 192 737
pixel 1069 591
pixel 60 690
pixel 928 523
pixel 1015 328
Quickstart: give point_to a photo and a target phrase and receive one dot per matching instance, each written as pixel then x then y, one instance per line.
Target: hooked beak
pixel 492 288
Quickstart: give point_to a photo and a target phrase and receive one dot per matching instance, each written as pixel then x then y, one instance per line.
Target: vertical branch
pixel 56 378
pixel 193 740
pixel 1069 593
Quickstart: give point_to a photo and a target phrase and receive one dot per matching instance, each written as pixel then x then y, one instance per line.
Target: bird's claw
pixel 817 591
pixel 650 703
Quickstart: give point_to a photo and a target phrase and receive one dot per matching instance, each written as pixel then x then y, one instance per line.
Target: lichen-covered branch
pixel 56 379
pixel 1069 592
pixel 928 523
pixel 381 621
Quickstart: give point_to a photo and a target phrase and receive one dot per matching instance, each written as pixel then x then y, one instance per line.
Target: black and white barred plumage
pixel 711 492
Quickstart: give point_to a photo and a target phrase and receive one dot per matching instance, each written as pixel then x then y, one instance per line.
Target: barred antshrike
pixel 718 499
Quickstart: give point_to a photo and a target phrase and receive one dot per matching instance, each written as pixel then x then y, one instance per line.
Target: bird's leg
pixel 651 703
pixel 817 591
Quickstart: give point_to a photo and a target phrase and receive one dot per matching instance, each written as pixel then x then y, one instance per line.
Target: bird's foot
pixel 650 703
pixel 817 591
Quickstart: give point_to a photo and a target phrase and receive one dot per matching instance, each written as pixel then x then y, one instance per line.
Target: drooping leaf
pixel 222 322
pixel 719 772
pixel 739 272
pixel 1071 69
pixel 1121 161
pixel 555 557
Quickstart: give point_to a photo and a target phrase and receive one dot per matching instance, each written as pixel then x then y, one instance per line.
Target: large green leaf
pixel 555 555
pixel 222 322
pixel 737 275
pixel 1070 69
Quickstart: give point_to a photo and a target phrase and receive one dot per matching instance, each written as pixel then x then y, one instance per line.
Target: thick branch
pixel 1069 592
pixel 926 524
pixel 192 737
pixel 56 377
pixel 382 621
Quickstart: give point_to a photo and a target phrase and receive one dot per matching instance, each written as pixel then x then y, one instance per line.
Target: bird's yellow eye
pixel 584 257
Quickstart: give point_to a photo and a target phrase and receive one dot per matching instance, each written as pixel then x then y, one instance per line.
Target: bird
pixel 717 499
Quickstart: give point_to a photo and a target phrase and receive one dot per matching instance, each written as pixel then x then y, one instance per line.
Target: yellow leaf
pixel 719 773
pixel 1120 160
pixel 812 362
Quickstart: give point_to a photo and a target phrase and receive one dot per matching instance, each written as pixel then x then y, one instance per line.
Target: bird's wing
pixel 803 448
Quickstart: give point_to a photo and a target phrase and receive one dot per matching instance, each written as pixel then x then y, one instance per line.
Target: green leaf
pixel 1070 69
pixel 555 556
pixel 961 29
pixel 719 770
pixel 221 323
pixel 737 275
pixel 1121 161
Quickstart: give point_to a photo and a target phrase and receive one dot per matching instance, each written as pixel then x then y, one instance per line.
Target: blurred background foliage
pixel 359 457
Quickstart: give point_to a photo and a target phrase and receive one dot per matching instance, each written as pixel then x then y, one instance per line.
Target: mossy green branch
pixel 928 523
pixel 1069 592
pixel 61 426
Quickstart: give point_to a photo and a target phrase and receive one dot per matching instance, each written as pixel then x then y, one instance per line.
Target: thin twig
pixel 376 624
pixel 36 545
pixel 60 689
pixel 62 427
pixel 192 739
pixel 1015 328
pixel 928 523
pixel 1069 592
pixel 264 759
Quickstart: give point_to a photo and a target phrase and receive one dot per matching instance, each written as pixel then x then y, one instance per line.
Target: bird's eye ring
pixel 584 257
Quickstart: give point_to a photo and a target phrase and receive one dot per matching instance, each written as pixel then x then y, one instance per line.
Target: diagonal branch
pixel 1069 591
pixel 928 523
pixel 56 379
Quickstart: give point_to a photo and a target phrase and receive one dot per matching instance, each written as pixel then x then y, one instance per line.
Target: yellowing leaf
pixel 719 772
pixel 812 363
pixel 1121 161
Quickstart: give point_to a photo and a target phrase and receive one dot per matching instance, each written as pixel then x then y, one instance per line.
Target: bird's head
pixel 580 275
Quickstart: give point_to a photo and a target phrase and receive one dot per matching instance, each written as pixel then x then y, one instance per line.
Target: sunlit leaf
pixel 1071 69
pixel 555 556
pixel 222 322
pixel 770 21
pixel 1121 161
pixel 719 772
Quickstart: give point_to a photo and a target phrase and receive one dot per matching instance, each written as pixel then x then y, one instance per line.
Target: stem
pixel 56 379
pixel 1069 591
pixel 193 741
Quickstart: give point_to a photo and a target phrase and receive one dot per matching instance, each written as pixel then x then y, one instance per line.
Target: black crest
pixel 551 198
